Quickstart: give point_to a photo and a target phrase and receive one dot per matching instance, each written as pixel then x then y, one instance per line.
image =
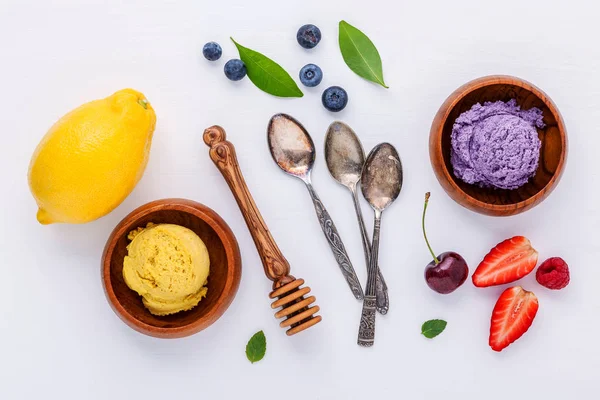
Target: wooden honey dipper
pixel 295 307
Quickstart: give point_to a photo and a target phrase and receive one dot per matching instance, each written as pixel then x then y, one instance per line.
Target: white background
pixel 59 338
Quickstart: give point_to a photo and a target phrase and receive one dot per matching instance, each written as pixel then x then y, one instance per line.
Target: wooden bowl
pixel 223 281
pixel 553 154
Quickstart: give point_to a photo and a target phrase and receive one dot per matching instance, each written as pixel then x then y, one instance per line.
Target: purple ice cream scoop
pixel 496 144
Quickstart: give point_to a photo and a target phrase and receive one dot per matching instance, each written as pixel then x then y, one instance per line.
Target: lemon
pixel 92 158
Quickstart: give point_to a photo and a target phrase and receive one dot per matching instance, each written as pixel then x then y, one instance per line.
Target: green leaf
pixel 360 54
pixel 256 347
pixel 266 74
pixel 433 327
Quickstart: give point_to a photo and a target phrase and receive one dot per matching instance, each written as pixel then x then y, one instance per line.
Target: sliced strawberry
pixel 512 316
pixel 508 261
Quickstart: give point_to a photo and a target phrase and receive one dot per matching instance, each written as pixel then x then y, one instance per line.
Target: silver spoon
pixel 381 183
pixel 294 152
pixel 345 159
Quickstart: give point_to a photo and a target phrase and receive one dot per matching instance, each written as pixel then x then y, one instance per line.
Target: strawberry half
pixel 512 316
pixel 507 262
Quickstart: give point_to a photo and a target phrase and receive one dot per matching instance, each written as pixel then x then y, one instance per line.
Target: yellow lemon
pixel 92 158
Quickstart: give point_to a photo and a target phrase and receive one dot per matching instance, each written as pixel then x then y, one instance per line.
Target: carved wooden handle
pixel 222 152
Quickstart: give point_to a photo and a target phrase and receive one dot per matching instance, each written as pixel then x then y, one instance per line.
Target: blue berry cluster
pixel 334 98
pixel 234 69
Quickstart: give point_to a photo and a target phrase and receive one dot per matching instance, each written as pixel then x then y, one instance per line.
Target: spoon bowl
pixel 382 176
pixel 344 154
pixel 291 146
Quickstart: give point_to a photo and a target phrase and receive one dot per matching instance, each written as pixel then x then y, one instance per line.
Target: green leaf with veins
pixel 256 347
pixel 433 327
pixel 266 74
pixel 360 54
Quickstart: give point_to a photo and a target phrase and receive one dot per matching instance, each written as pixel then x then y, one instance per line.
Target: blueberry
pixel 334 98
pixel 311 75
pixel 235 69
pixel 308 36
pixel 212 51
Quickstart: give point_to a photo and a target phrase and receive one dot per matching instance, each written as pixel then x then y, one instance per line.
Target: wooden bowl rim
pixel 232 251
pixel 490 80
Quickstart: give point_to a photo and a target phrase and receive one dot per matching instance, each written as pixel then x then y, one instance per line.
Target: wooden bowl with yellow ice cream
pixel 171 268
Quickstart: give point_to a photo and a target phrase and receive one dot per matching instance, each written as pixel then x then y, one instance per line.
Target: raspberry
pixel 553 273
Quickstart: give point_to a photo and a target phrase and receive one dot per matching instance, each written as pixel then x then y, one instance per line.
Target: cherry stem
pixel 435 259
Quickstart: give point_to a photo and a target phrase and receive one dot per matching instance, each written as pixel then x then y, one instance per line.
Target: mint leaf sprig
pixel 433 327
pixel 256 347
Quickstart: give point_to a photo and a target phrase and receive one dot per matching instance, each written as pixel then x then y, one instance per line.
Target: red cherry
pixel 446 272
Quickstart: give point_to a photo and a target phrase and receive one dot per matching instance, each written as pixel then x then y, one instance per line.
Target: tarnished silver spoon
pixel 345 159
pixel 293 150
pixel 381 183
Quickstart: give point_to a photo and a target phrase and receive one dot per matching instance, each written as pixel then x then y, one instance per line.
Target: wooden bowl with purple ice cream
pixel 498 145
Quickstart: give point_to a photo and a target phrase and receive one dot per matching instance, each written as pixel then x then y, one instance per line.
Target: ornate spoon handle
pixel 366 331
pixel 335 242
pixel 383 299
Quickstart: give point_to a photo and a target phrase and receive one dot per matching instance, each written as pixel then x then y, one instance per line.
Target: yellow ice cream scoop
pixel 168 265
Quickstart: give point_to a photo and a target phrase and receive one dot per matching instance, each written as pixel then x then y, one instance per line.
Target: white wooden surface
pixel 60 340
